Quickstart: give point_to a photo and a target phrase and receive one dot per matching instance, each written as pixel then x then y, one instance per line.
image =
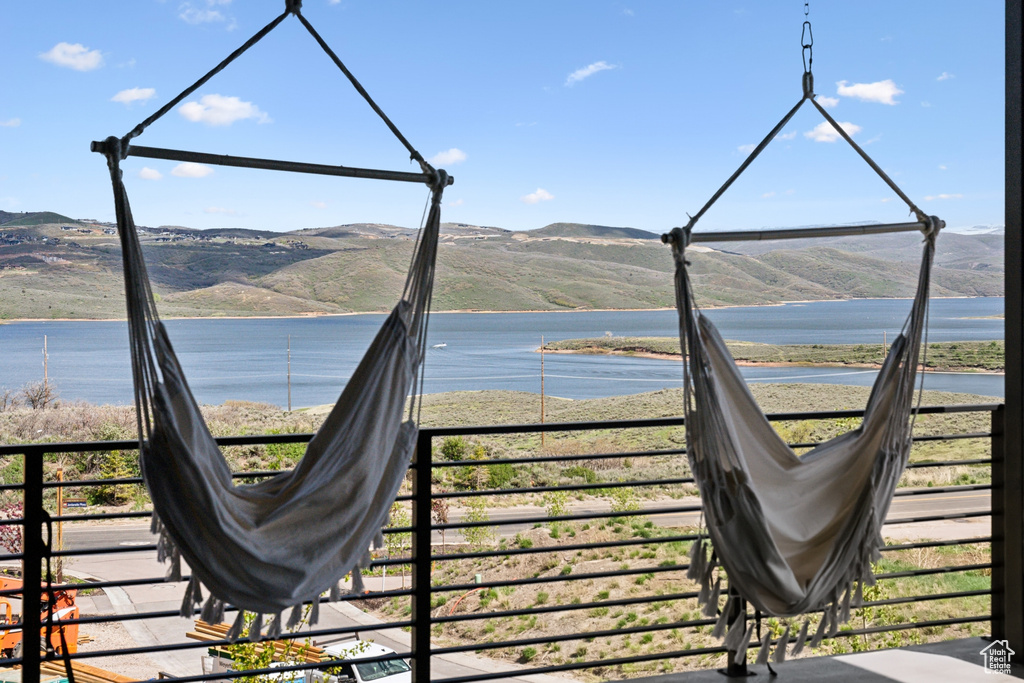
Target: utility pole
pixel 542 387
pixel 59 544
pixel 289 373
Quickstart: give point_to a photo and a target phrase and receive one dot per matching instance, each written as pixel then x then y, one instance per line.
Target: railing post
pixel 999 528
pixel 421 557
pixel 32 541
pixel 1012 466
pixel 734 669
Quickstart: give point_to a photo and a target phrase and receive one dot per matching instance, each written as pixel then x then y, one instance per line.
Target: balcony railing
pixel 535 549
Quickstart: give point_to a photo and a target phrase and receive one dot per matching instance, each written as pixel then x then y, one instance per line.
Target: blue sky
pixel 610 112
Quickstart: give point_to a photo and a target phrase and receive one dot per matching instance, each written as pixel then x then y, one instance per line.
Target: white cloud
pixel 457 202
pixel 191 14
pixel 220 110
pixel 943 196
pixel 588 71
pixel 945 76
pixel 873 140
pixel 886 200
pixel 189 169
pixel 221 210
pixel 541 195
pixel 747 149
pixel 10 123
pixel 824 132
pixel 452 156
pixel 826 101
pixel 133 95
pixel 790 191
pixel 942 167
pixel 628 12
pixel 879 91
pixel 77 57
pixel 318 205
pixel 787 136
pixel 148 173
pixel 768 195
pixel 926 104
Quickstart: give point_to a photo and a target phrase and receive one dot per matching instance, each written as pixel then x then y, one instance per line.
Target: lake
pixel 228 359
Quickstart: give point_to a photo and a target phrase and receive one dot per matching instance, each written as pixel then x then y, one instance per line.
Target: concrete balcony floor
pixel 955 661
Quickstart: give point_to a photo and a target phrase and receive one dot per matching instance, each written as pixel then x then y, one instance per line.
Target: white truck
pixel 353 651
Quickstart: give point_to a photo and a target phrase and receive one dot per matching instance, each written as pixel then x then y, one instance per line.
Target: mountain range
pixel 52 266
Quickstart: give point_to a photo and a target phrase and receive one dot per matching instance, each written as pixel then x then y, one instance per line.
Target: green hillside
pixel 34 218
pixel 49 272
pixel 597 231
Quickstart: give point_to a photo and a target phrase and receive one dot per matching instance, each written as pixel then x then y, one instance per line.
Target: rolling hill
pixel 67 269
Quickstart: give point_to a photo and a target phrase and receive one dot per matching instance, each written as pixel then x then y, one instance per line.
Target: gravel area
pixel 113 636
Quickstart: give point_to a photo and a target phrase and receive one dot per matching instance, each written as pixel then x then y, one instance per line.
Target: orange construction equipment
pixel 64 609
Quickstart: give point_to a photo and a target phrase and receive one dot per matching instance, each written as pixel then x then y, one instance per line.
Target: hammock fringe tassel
pixel 212 609
pixel 735 634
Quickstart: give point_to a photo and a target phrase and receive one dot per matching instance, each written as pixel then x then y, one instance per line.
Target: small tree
pixel 476 511
pixel 248 656
pixel 39 395
pixel 8 399
pixel 398 543
pixel 439 511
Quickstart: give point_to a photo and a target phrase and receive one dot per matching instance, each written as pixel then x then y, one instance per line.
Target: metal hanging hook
pixel 807 52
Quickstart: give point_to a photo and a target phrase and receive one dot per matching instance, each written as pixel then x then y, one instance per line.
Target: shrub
pixel 579 471
pixel 528 653
pixel 283 455
pixel 498 476
pixel 624 499
pixel 454 448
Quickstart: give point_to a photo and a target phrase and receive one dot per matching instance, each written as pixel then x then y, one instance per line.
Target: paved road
pixel 903 507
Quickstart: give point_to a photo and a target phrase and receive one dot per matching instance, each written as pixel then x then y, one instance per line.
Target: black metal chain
pixel 807 41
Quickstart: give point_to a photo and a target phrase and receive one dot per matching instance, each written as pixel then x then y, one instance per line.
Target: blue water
pixel 246 359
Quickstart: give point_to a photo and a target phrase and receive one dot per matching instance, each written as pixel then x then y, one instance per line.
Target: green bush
pixel 579 471
pixel 283 455
pixel 454 448
pixel 499 476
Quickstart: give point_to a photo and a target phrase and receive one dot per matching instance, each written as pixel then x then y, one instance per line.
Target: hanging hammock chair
pixel 795 534
pixel 286 540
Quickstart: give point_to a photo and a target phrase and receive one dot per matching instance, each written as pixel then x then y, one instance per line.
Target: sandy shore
pixel 768 364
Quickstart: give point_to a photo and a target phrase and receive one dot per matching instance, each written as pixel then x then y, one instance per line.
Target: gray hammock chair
pixel 284 541
pixel 794 534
